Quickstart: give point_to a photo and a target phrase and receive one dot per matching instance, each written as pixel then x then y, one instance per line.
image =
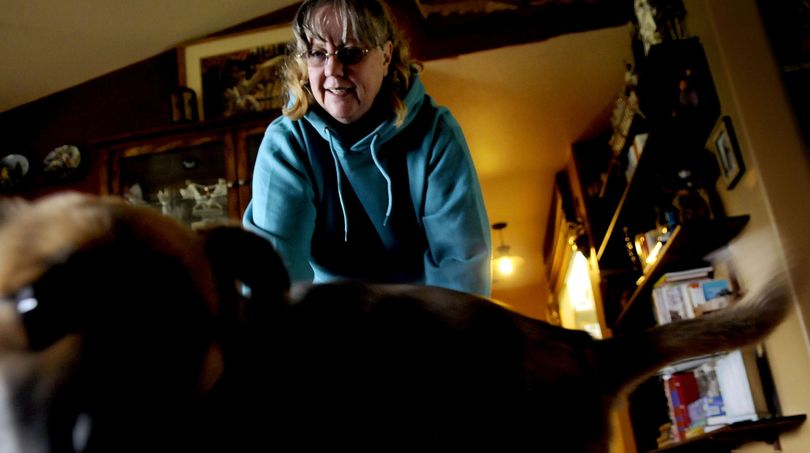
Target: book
pixel 708 410
pixel 740 387
pixel 687 274
pixel 659 309
pixel 709 387
pixel 667 309
pixel 677 300
pixel 709 295
pixel 683 391
pixel 687 294
pixel 672 302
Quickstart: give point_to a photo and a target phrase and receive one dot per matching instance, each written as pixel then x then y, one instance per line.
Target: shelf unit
pixel 730 437
pixel 615 208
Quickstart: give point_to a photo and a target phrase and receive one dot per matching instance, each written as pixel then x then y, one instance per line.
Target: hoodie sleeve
pixel 282 208
pixel 455 218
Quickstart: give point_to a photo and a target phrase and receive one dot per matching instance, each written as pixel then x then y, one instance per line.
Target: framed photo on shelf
pixel 723 143
pixel 237 73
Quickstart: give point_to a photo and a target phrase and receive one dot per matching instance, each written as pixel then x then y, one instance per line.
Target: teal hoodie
pixel 400 205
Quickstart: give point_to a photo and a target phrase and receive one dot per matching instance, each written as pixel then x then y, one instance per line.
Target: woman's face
pixel 347 92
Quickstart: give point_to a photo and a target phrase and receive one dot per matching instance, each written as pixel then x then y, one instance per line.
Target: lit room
pixel 621 168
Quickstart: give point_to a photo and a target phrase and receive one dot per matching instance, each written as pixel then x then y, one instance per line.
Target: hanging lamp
pixel 504 263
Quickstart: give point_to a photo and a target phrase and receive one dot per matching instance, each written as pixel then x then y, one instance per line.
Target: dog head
pixel 112 320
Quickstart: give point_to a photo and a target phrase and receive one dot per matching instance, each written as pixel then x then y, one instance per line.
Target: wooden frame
pixel 235 74
pixel 723 143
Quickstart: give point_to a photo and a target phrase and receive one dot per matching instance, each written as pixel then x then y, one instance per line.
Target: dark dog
pixel 122 330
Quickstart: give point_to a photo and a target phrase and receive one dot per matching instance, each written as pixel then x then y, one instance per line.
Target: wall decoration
pixel 61 163
pixel 723 143
pixel 13 170
pixel 236 74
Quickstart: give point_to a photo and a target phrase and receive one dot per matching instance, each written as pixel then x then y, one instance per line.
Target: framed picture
pixel 237 73
pixel 723 143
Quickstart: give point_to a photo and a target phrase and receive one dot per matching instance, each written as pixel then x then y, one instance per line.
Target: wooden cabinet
pixel 649 172
pixel 198 173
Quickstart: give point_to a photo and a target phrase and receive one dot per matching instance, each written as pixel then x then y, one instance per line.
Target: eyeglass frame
pixel 305 55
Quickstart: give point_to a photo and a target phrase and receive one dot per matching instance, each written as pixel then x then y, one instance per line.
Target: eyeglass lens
pixel 345 55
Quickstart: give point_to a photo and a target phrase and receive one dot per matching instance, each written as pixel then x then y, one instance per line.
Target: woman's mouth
pixel 340 91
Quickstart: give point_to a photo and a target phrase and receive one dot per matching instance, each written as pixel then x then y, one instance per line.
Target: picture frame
pixel 723 143
pixel 235 74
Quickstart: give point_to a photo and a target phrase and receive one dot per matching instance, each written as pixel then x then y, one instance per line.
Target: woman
pixel 364 177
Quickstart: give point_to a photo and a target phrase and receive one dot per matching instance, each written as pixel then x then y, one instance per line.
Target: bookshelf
pixel 686 243
pixel 625 189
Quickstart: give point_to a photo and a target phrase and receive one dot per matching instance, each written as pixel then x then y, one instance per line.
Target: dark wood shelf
pixel 635 205
pixel 191 127
pixel 634 187
pixel 732 436
pixel 686 248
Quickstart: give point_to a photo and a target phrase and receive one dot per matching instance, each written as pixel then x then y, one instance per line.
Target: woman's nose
pixel 332 66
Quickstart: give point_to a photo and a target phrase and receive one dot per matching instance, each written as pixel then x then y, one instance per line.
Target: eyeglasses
pixel 346 56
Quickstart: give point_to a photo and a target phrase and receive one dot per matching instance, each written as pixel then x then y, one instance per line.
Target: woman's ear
pixel 388 51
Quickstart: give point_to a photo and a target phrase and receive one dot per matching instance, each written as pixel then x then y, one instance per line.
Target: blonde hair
pixel 370 24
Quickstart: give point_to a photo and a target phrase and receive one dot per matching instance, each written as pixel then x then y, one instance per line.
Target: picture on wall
pixel 236 74
pixel 723 143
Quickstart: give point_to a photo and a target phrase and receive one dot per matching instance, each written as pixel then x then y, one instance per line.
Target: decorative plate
pixel 61 162
pixel 13 169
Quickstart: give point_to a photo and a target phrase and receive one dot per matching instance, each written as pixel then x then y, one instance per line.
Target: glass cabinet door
pixel 190 179
pixel 248 140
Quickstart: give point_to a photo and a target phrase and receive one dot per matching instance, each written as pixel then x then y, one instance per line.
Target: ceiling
pixel 49 45
pixel 520 106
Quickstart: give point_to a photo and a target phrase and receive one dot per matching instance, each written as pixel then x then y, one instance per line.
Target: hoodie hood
pixel 346 159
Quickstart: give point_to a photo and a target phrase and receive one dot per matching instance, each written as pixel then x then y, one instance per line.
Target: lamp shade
pixel 503 262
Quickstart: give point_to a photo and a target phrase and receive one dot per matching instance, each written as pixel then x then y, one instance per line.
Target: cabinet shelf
pixel 198 173
pixel 732 436
pixel 687 247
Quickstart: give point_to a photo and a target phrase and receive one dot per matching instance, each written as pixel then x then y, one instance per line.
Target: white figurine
pixel 206 204
pixel 165 198
pixel 647 28
pixel 134 194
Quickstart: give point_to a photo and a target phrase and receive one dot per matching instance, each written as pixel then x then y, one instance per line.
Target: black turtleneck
pixel 353 132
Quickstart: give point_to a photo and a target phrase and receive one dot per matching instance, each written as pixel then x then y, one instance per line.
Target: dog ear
pixel 239 256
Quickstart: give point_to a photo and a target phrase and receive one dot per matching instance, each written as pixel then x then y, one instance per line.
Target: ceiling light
pixel 503 262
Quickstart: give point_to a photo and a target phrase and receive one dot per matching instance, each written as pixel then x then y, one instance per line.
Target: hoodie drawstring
pixel 380 168
pixel 385 175
pixel 339 188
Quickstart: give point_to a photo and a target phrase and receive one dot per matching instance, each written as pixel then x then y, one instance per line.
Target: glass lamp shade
pixel 504 263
